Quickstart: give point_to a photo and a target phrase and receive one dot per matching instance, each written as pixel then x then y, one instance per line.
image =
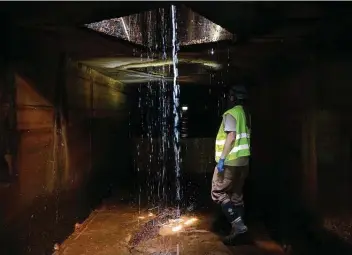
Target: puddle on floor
pixel 123 230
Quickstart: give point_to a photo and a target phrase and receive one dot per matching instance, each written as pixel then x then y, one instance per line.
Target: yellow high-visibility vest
pixel 241 146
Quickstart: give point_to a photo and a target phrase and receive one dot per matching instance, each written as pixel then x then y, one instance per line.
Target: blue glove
pixel 220 165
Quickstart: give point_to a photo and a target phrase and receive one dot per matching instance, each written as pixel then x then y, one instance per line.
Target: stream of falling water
pixel 163 118
pixel 150 122
pixel 157 161
pixel 176 95
pixel 138 144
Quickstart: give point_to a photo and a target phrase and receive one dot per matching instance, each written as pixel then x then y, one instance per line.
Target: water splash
pixel 176 95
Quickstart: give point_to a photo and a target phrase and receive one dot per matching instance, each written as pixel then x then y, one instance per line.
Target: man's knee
pixel 214 196
pixel 237 199
pixel 219 197
pixel 215 199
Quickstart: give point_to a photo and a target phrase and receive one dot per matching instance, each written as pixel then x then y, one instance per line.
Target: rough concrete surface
pixel 111 230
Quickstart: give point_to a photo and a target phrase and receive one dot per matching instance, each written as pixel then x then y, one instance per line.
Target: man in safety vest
pixel 232 152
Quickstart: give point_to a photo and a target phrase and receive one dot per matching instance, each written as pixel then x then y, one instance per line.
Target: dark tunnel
pixel 110 111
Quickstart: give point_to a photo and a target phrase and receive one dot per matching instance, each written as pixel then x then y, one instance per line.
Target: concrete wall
pixel 301 143
pixel 334 146
pixel 71 125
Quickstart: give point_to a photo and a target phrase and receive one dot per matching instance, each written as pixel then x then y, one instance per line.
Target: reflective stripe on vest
pixel 235 149
pixel 239 136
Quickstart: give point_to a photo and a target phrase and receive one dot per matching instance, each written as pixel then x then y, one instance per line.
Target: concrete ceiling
pixel 245 19
pixel 254 24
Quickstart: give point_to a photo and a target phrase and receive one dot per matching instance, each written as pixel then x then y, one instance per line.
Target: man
pixel 232 152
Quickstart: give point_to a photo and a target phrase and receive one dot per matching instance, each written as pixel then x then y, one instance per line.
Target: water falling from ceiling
pixel 162 32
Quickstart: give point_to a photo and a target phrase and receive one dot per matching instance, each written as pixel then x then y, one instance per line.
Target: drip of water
pixel 165 112
pixel 139 199
pixel 176 94
pixel 139 145
pixel 125 28
pixel 149 141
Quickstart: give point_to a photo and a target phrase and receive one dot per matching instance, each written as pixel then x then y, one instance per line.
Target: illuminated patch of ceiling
pixel 134 70
pixel 153 28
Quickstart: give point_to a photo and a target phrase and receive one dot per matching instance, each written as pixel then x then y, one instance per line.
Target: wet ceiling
pixel 255 26
pixel 245 19
pixel 154 31
pixel 153 28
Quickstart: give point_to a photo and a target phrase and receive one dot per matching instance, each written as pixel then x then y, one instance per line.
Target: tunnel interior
pixel 88 110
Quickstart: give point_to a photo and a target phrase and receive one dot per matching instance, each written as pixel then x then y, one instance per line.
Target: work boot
pixel 220 224
pixel 238 234
pixel 234 217
pixel 240 209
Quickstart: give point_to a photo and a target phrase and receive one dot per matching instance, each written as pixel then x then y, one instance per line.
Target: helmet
pixel 238 91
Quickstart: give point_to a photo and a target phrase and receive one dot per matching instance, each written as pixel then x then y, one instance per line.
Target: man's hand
pixel 220 165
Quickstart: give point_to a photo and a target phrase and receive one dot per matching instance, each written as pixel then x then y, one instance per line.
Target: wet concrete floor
pixel 125 229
